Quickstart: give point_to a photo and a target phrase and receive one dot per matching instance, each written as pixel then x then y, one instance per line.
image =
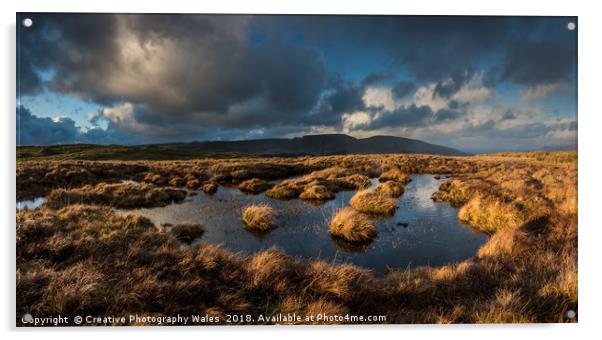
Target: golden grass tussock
pixel 319 185
pixel 342 281
pixel 154 179
pixel 357 181
pixel 394 174
pixel 506 306
pixel 187 231
pixel 259 217
pixel 504 242
pixel 390 188
pixel 272 269
pixel 177 181
pixel 118 195
pixel 254 186
pixel 209 188
pixel 316 192
pixel 452 191
pixel 283 191
pixel 490 215
pixel 193 184
pixel 374 203
pixel 352 226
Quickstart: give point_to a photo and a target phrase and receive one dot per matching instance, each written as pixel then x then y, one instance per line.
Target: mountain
pixel 327 144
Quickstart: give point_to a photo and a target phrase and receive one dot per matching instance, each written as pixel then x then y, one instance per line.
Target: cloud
pixel 541 91
pixel 508 115
pixel 380 98
pixel 403 89
pixel 539 63
pixel 452 85
pixel 345 97
pixel 163 78
pixel 183 69
pixel 34 130
pixel 375 78
pixel 404 116
pixel 447 114
pixel 356 120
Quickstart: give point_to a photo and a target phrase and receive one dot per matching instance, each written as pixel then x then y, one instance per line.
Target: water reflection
pixel 30 204
pixel 421 232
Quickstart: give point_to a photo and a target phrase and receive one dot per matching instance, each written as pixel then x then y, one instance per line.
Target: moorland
pixel 77 256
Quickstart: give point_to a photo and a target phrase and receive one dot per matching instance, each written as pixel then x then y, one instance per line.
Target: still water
pixel 30 204
pixel 421 232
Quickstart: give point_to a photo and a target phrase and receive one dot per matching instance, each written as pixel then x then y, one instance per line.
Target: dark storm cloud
pixel 33 130
pixel 405 116
pixel 340 97
pixel 346 97
pixel 403 89
pixel 375 78
pixel 71 45
pixel 414 116
pixel 221 76
pixel 430 47
pixel 538 63
pixel 448 87
pixel 189 68
pixel 447 114
pixel 28 82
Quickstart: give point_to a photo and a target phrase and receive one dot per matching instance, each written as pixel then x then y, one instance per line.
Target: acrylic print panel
pixel 186 169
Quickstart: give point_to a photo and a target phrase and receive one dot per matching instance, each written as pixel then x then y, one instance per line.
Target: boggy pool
pixel 421 232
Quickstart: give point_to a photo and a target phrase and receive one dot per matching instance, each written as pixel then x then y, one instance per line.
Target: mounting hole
pixel 570 314
pixel 571 26
pixel 27 318
pixel 27 22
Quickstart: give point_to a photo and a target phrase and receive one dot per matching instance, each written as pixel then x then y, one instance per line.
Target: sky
pixel 478 84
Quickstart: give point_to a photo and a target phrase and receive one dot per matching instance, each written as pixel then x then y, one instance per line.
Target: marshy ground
pixel 96 245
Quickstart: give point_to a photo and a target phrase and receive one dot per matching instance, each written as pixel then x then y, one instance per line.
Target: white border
pixel 589 114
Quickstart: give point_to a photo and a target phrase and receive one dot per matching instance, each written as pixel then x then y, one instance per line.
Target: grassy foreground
pixel 79 258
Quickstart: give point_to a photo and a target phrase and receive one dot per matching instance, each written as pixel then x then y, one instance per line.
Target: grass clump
pixel 316 192
pixel 390 188
pixel 188 231
pixel 209 188
pixel 283 192
pixel 193 184
pixel 259 217
pixel 254 186
pixel 154 179
pixel 352 226
pixel 119 195
pixel 177 181
pixel 489 215
pixel 453 191
pixel 357 181
pixel 374 203
pixel 394 174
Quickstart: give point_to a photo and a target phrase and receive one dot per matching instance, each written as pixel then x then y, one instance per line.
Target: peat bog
pixel 421 232
pixel 495 241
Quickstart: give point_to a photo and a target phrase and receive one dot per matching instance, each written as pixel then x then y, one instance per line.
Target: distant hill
pixel 559 147
pixel 316 145
pixel 327 144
